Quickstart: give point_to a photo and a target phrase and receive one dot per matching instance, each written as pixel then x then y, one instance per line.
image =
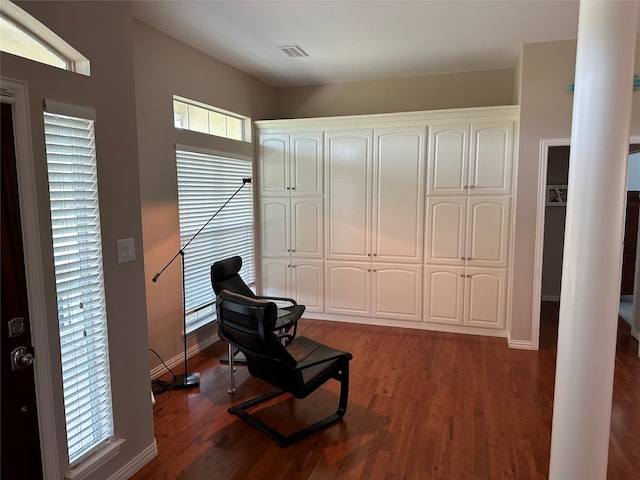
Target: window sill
pixel 200 325
pixel 95 461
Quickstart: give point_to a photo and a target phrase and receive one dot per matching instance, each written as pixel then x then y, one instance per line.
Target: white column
pixel 593 239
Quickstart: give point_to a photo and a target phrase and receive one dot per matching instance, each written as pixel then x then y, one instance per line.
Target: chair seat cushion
pixel 305 350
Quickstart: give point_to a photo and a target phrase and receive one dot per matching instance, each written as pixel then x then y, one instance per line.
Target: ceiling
pixel 361 40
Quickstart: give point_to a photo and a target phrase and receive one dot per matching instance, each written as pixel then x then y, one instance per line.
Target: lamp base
pixel 190 380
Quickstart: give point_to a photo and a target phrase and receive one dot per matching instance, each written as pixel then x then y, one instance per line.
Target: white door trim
pixel 16 93
pixel 543 159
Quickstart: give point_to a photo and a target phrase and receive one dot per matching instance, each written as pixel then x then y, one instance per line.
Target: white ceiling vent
pixel 294 51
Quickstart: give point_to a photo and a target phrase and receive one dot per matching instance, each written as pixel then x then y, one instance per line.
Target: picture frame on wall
pixel 556 195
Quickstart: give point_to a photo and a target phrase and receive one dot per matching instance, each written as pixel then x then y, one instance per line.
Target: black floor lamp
pixel 191 380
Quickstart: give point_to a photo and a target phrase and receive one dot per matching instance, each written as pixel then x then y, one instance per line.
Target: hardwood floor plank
pixel 422 405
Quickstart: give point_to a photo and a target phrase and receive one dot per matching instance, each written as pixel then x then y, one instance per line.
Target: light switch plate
pixel 126 250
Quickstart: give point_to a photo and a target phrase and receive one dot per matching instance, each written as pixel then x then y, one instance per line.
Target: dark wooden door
pixel 20 447
pixel 630 241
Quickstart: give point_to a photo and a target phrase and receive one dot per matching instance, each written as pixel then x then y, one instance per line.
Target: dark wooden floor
pixel 422 405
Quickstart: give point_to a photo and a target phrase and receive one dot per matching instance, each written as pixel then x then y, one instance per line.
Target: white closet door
pixel 485 292
pixel 398 194
pixel 348 175
pixel 307 219
pixel 448 159
pixel 348 288
pixel 397 291
pixel 446 230
pixel 273 164
pixel 306 164
pixel 276 277
pixel 307 283
pixel 488 231
pixel 444 294
pixel 275 226
pixel 491 158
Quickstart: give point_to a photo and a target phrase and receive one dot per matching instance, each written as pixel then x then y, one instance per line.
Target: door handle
pixel 21 358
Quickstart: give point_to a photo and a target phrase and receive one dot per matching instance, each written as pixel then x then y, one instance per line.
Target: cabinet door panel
pixel 488 231
pixel 307 284
pixel 398 191
pixel 276 277
pixel 448 159
pixel 306 227
pixel 273 164
pixel 491 158
pixel 445 233
pixel 348 288
pixel 397 291
pixel 348 175
pixel 485 294
pixel 306 164
pixel 443 294
pixel 275 226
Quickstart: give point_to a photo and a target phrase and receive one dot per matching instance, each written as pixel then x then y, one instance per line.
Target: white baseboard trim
pixel 178 360
pixel 128 470
pixel 521 344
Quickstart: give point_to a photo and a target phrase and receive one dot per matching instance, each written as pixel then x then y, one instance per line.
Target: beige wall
pixel 545 113
pixel 472 89
pixel 90 27
pixel 164 67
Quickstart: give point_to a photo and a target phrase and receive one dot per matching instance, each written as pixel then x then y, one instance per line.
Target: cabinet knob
pixel 468 258
pixel 288 188
pixel 368 254
pixel 462 258
pixel 465 187
pixel 375 254
pixel 368 269
pixel 471 186
pixel 294 251
pixel 469 276
pixel 293 188
pixel 289 250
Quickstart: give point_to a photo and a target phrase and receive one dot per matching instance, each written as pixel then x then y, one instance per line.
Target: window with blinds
pixel 77 251
pixel 205 183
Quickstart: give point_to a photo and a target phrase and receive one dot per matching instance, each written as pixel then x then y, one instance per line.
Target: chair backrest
pixel 248 324
pixel 225 276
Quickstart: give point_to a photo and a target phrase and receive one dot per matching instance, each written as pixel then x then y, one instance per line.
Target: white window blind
pixel 205 183
pixel 77 250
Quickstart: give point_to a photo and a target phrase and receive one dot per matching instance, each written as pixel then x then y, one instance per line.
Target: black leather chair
pixel 225 275
pixel 298 367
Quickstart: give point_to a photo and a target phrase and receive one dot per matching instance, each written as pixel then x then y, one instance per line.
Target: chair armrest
pixel 282 299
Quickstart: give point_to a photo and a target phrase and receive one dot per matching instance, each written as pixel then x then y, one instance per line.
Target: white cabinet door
pixel 485 297
pixel 307 219
pixel 470 231
pixel 348 288
pixel 488 231
pixel 398 194
pixel 348 204
pixel 291 164
pixel 273 164
pixel 446 230
pixel 491 158
pixel 275 226
pixel 307 283
pixel 448 159
pixel 474 159
pixel 307 164
pixel 397 291
pixel 276 277
pixel 444 294
pixel 300 279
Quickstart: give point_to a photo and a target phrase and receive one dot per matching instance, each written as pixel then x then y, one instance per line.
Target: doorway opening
pixel 554 182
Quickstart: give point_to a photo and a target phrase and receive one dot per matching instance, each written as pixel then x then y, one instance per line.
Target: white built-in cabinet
pixel 399 219
pixel 471 158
